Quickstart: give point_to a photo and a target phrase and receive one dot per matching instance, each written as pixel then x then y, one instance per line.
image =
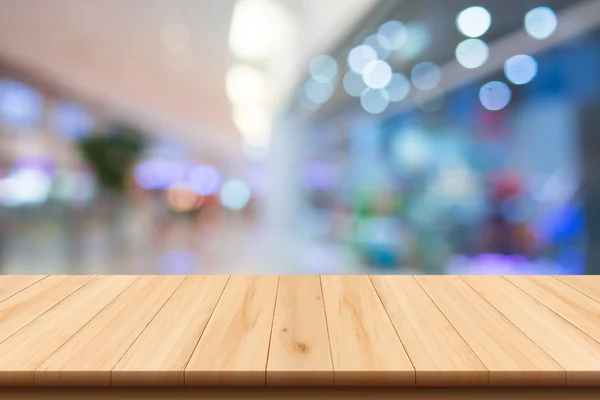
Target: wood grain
pixel 511 357
pixel 299 353
pixel 88 357
pixel 588 285
pixel 571 304
pixel 365 347
pixel 12 284
pixel 234 346
pixel 160 354
pixel 573 350
pixel 28 304
pixel 23 352
pixel 440 356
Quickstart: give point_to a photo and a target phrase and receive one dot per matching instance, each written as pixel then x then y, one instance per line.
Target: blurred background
pixel 299 136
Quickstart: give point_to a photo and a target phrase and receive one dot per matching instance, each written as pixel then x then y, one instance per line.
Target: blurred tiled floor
pixel 179 247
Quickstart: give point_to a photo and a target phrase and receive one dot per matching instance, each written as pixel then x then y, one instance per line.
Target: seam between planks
pixel 271 330
pixel 453 327
pixel 204 329
pixel 550 308
pixel 84 325
pixel 142 331
pixel 519 329
pixel 26 287
pixel 393 326
pixel 60 301
pixel 573 287
pixel 327 328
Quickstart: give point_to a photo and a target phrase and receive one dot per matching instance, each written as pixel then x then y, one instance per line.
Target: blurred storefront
pixel 463 155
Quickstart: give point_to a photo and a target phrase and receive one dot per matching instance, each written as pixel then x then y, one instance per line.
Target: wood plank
pixel 23 352
pixel 301 393
pixel 234 346
pixel 12 284
pixel 571 304
pixel 28 304
pixel 299 353
pixel 439 354
pixel 588 284
pixel 88 357
pixel 172 335
pixel 572 349
pixel 511 357
pixel 365 347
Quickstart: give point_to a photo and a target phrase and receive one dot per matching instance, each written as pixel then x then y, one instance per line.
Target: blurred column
pixel 590 140
pixel 283 200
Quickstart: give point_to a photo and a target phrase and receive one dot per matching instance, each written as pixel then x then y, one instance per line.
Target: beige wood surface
pixel 299 330
pixel 234 347
pixel 88 357
pixel 439 354
pixel 575 351
pixel 590 286
pixel 512 358
pixel 364 344
pixel 299 352
pixel 23 352
pixel 28 304
pixel 12 284
pixel 160 354
pixel 574 306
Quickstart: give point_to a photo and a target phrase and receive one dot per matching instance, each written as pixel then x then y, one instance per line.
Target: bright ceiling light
pixel 259 29
pixel 540 22
pixel 472 53
pixel 245 85
pixel 254 124
pixel 474 21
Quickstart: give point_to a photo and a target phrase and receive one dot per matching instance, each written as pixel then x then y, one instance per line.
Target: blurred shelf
pixel 463 334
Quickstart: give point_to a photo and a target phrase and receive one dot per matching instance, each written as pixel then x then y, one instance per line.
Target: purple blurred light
pixel 160 174
pixel 179 262
pixel 41 163
pixel 320 176
pixel 204 180
pixel 498 264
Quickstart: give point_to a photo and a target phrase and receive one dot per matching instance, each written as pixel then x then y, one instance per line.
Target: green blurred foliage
pixel 112 153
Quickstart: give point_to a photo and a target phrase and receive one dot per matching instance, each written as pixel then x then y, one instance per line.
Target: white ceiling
pixel 110 52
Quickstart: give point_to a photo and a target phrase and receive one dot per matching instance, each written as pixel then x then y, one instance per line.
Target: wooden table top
pixel 299 330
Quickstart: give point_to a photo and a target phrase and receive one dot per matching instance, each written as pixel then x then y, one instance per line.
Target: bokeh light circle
pixel 540 23
pixel 398 87
pixel 375 101
pixel 377 74
pixel 426 75
pixel 360 56
pixel 472 53
pixel 474 21
pixel 520 69
pixel 495 95
pixel 235 194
